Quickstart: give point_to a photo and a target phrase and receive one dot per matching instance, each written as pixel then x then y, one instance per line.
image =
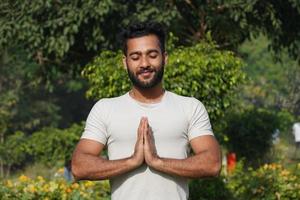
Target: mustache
pixel 145 69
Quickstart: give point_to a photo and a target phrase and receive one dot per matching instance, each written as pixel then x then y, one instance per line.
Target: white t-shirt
pixel 296 131
pixel 174 122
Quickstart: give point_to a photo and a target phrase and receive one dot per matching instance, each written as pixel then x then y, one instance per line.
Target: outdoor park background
pixel 240 58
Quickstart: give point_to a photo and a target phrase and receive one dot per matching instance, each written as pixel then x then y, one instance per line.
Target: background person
pixel 296 133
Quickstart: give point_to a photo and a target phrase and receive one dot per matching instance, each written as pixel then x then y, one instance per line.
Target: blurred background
pixel 240 58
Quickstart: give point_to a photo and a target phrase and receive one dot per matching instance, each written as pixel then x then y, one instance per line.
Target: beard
pixel 155 80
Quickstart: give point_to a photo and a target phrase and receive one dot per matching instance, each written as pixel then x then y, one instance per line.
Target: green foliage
pixel 12 151
pixel 24 102
pixel 106 75
pixel 274 85
pixel 270 181
pixel 209 189
pixel 51 145
pixel 26 188
pixel 201 71
pixel 64 35
pixel 233 21
pixel 7 102
pixel 250 134
pixel 286 120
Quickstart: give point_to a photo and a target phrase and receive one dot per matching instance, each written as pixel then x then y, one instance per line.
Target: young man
pixel 147 131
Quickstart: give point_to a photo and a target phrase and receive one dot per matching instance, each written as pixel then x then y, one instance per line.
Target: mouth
pixel 145 72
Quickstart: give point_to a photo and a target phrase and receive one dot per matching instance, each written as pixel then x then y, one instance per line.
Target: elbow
pixel 77 173
pixel 216 166
pixel 212 170
pixel 215 169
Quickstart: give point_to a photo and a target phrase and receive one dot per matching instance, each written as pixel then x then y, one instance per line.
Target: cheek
pixel 157 63
pixel 131 65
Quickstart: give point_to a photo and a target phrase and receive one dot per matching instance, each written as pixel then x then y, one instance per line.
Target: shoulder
pixel 105 105
pixel 109 101
pixel 187 102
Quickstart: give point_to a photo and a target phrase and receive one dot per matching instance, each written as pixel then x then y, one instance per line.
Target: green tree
pixel 272 84
pixel 64 35
pixel 232 21
pixel 25 103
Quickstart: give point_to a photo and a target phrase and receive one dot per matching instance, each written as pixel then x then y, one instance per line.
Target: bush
pixel 270 181
pixel 13 151
pixel 209 189
pixel 25 188
pixel 250 134
pixel 286 120
pixel 51 145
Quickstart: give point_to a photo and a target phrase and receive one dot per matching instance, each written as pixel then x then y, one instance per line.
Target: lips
pixel 145 72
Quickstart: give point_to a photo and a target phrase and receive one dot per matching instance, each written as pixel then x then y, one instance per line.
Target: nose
pixel 144 62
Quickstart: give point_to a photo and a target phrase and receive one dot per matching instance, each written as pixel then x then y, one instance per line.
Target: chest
pixel 166 124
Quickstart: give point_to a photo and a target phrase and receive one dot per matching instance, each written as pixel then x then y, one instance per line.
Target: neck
pixel 149 95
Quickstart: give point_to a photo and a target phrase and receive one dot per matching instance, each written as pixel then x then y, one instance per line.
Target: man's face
pixel 144 61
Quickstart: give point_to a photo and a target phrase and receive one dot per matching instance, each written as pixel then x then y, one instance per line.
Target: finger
pixel 150 132
pixel 146 143
pixel 146 126
pixel 140 130
pixel 140 124
pixel 145 133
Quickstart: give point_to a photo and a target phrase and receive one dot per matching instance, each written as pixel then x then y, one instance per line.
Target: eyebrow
pixel 147 52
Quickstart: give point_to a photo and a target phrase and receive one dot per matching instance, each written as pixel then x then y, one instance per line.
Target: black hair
pixel 142 29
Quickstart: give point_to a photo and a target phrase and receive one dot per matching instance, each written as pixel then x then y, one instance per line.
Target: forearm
pixel 196 166
pixel 90 167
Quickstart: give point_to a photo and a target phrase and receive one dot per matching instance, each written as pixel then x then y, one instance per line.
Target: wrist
pixel 133 162
pixel 155 162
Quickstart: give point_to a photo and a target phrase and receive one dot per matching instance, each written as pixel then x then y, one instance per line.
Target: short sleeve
pixel 95 128
pixel 199 123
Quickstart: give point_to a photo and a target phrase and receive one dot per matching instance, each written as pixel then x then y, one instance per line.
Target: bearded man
pixel 148 132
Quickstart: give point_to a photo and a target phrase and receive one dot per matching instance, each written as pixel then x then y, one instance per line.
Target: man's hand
pixel 205 162
pixel 138 155
pixel 86 163
pixel 150 154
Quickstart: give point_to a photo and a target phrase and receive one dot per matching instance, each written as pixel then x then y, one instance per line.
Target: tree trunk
pixel 1 161
pixel 8 171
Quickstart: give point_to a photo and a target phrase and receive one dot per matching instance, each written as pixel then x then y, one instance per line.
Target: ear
pixel 124 62
pixel 165 57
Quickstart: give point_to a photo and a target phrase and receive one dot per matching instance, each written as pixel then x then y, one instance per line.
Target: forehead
pixel 143 44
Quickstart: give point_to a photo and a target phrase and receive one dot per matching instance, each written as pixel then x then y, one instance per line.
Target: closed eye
pixel 153 54
pixel 134 56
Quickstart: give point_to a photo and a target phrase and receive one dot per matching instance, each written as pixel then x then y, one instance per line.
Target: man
pixel 296 133
pixel 147 131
